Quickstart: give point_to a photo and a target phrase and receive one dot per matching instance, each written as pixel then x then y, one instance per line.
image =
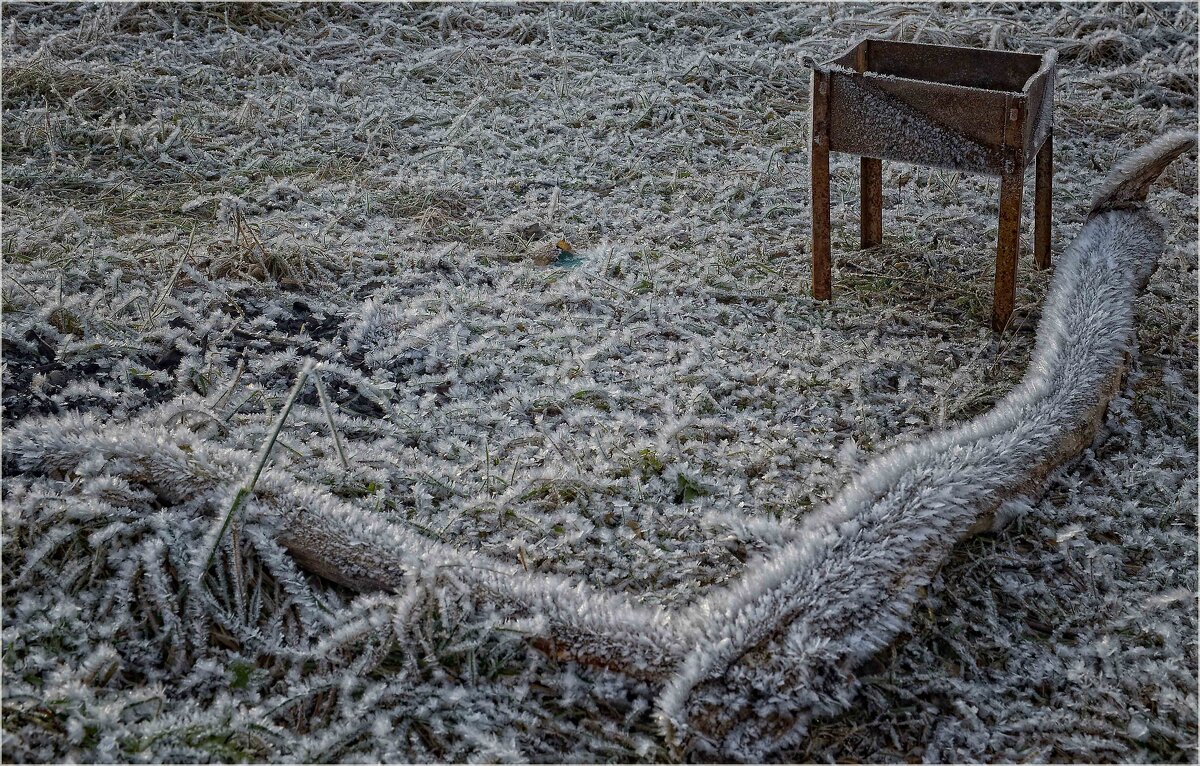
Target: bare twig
pixel 260 462
pixel 325 406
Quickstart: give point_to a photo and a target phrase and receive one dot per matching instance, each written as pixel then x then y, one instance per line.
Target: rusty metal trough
pixel 980 111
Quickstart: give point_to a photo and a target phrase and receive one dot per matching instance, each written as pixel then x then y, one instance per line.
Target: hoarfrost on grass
pixel 197 198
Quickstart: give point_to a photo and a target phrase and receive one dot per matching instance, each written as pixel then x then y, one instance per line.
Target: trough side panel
pixel 925 123
pixel 968 67
pixel 1040 112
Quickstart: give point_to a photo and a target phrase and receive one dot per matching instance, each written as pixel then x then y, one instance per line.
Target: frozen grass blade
pixel 166 293
pixel 328 410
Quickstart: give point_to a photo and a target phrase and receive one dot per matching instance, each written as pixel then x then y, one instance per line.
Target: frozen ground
pixel 197 198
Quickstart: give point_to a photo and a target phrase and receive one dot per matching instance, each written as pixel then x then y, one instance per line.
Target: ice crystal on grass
pixel 198 198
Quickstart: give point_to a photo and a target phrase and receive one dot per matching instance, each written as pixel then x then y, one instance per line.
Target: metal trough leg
pixel 1043 197
pixel 822 279
pixel 1008 245
pixel 871 195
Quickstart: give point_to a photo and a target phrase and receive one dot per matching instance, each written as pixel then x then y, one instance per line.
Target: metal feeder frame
pixel 967 109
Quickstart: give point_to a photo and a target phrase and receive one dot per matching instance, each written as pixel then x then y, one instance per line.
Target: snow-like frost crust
pixel 654 422
pixel 758 660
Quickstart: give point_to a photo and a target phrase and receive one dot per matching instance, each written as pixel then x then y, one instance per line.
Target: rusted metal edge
pixel 1049 62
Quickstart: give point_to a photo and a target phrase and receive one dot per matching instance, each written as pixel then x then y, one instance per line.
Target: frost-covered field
pixel 198 198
